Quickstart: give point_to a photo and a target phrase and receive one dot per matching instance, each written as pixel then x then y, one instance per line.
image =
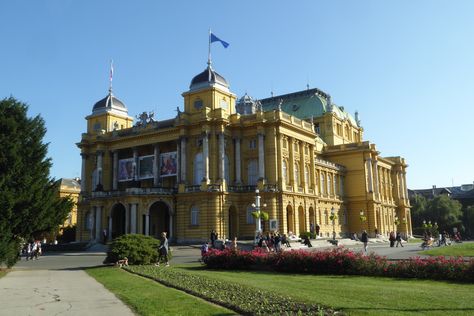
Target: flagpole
pixel 111 75
pixel 209 51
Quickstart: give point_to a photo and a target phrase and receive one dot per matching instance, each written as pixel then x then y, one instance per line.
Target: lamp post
pixel 333 218
pixel 258 214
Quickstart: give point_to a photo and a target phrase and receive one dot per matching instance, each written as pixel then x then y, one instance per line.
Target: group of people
pixel 395 239
pixel 272 242
pixel 32 250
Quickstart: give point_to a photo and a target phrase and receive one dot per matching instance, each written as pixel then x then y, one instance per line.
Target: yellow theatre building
pixel 200 170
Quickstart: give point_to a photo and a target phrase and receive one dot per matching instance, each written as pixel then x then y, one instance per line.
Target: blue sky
pixel 406 66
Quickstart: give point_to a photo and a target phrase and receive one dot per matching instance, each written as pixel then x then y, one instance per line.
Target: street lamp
pixel 258 214
pixel 333 218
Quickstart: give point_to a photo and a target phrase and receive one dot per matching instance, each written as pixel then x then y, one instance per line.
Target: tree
pixel 445 211
pixel 418 210
pixel 29 203
pixel 469 220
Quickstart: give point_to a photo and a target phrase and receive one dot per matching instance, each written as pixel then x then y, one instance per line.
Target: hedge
pixel 139 249
pixel 341 261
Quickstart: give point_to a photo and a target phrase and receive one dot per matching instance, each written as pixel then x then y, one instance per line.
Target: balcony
pixel 242 188
pixel 134 191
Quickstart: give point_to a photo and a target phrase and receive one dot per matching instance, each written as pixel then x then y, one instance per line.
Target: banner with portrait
pixel 168 164
pixel 145 167
pixel 126 169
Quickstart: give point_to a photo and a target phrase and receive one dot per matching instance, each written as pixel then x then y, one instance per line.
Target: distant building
pixel 199 170
pixel 70 188
pixel 463 193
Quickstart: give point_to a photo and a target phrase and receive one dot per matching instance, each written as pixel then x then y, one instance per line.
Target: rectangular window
pixel 253 144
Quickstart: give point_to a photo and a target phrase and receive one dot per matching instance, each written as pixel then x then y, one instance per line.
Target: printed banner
pixel 126 169
pixel 168 164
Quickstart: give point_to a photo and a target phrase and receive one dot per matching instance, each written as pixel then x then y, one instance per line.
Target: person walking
pixel 365 239
pixel 163 250
pixel 399 239
pixel 391 238
pixel 213 238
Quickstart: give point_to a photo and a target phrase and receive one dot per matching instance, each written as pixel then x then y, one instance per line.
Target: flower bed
pixel 242 299
pixel 341 261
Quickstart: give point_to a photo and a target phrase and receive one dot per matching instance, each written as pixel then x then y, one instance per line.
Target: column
pixel 376 176
pixel 92 222
pixel 178 162
pixel 99 166
pixel 221 156
pixel 127 218
pixel 205 152
pixel 147 224
pixel 135 164
pixel 405 189
pixel 183 160
pixel 170 233
pixel 83 172
pixel 133 218
pixel 98 223
pixel 109 232
pixel 369 172
pixel 156 165
pixel 261 156
pixel 238 172
pixel 115 171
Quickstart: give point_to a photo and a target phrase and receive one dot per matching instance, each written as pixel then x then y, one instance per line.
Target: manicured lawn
pixel 147 297
pixel 2 272
pixel 415 241
pixel 455 250
pixel 359 295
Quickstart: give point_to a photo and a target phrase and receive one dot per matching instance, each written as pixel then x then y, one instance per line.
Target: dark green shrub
pixel 139 249
pixel 68 234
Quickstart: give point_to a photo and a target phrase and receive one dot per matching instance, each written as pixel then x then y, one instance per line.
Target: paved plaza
pixel 56 284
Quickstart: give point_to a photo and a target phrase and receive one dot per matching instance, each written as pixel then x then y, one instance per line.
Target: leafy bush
pixel 309 234
pixel 68 234
pixel 341 261
pixel 245 300
pixel 139 249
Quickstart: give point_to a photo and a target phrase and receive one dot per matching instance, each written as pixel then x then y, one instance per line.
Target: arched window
pixel 306 175
pixel 252 172
pixel 194 215
pixel 297 174
pixel 323 186
pixel 250 218
pixel 284 167
pixel 198 169
pixel 329 184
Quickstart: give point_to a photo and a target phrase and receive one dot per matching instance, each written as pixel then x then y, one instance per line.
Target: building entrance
pixel 159 219
pixel 118 220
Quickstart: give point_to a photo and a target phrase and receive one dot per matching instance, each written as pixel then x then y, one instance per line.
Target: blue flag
pixel 216 39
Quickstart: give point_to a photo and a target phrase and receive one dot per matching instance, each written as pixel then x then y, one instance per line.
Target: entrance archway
pixel 289 220
pixel 233 222
pixel 302 219
pixel 118 220
pixel 312 220
pixel 159 219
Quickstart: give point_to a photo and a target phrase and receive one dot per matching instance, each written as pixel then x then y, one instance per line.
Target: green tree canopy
pixel 29 202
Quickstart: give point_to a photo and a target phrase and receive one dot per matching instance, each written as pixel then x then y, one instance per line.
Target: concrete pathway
pixel 57 285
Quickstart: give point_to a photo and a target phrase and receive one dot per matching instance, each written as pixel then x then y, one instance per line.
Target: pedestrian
pixel 213 238
pixel 104 236
pixel 391 238
pixel 28 250
pixel 277 242
pixel 33 253
pixel 163 250
pixel 365 239
pixel 204 249
pixel 233 246
pixel 399 239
